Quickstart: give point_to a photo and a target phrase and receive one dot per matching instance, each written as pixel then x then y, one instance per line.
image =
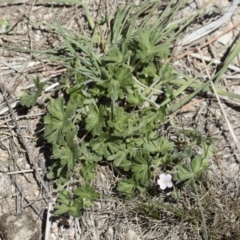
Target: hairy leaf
pixel 114 55
pixel 68 152
pixel 87 194
pixel 95 120
pixel 126 187
pixel 141 168
pixel 58 121
pixel 160 145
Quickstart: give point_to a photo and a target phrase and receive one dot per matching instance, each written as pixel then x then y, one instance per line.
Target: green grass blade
pixel 233 53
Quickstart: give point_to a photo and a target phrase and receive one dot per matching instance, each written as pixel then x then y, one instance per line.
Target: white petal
pixel 159 182
pixel 163 186
pixel 169 184
pixel 169 177
pixel 162 176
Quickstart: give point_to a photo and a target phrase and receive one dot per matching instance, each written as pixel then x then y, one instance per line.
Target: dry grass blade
pixel 215 61
pixel 226 118
pixel 209 42
pixel 221 107
pixel 205 30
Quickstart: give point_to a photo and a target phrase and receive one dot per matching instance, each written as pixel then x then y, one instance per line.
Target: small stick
pixel 48 221
pixel 12 147
pixel 32 161
pixel 2 62
pixel 30 204
pixel 23 171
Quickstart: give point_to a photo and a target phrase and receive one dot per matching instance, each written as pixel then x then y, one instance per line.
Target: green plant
pixel 110 109
pixel 28 99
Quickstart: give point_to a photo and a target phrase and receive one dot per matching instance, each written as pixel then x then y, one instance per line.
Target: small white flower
pixel 165 180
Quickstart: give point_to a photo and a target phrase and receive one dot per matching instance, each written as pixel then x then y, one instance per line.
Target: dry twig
pixel 32 161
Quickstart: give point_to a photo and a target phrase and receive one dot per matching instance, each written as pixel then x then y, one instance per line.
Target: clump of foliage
pixel 110 110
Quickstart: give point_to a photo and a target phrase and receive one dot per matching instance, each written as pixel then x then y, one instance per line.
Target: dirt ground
pixel 111 218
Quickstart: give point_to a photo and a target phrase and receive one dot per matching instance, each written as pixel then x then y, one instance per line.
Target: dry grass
pixel 155 217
